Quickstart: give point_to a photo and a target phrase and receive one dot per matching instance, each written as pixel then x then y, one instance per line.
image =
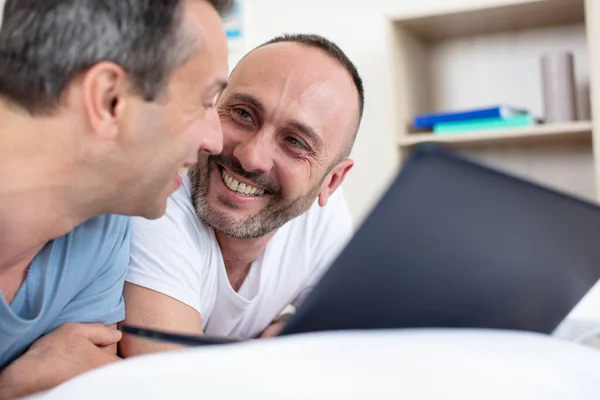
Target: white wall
pixel 360 28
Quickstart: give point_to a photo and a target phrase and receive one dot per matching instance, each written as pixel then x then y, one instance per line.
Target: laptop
pixel 456 244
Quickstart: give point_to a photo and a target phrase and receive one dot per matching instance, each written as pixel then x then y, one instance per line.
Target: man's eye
pixel 294 142
pixel 243 114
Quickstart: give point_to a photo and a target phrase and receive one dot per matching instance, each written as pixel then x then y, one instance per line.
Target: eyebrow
pixel 309 132
pixel 248 98
pixel 306 130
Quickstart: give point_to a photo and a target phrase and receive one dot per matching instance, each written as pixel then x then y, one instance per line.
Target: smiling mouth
pixel 240 187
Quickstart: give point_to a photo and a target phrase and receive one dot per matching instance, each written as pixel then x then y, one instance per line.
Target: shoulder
pixel 96 250
pixel 321 230
pixel 174 254
pixel 178 242
pixel 99 238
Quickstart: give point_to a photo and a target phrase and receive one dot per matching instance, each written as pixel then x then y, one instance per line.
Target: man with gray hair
pixel 102 103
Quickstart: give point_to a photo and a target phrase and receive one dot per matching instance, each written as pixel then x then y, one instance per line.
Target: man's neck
pixel 239 254
pixel 39 199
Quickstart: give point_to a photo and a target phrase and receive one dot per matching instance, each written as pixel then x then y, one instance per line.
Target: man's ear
pixel 334 180
pixel 104 89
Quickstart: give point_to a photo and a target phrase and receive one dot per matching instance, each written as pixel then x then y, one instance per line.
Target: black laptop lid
pixel 456 244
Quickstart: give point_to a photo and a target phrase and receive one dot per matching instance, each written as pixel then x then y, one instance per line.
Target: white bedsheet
pixel 394 364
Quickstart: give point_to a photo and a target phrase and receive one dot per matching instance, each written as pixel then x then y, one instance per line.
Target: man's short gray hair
pixel 45 44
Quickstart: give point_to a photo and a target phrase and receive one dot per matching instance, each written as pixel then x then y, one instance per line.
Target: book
pixel 477 125
pixel 427 121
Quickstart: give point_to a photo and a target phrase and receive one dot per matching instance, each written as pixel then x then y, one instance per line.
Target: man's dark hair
pixel 45 44
pixel 336 53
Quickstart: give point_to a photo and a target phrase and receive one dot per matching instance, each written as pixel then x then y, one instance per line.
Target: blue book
pixel 484 124
pixel 427 121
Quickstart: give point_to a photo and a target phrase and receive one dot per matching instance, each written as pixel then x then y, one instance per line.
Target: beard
pixel 274 215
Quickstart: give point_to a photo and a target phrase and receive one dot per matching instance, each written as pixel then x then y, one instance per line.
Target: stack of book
pixel 475 120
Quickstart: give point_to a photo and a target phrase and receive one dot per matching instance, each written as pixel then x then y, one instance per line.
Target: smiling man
pixel 253 228
pixel 101 102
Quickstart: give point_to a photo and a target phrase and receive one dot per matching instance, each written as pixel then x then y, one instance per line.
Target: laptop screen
pixel 455 244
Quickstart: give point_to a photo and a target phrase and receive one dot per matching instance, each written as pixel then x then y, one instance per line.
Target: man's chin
pixel 156 211
pixel 241 235
pixel 226 223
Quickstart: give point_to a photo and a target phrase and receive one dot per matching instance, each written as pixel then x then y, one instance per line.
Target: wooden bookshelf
pixel 459 58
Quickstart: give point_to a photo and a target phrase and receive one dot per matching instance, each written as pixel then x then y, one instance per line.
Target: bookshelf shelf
pixel 478 19
pixel 538 133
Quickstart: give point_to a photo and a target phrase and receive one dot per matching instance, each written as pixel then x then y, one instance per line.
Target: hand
pixel 278 323
pixel 61 355
pixel 272 330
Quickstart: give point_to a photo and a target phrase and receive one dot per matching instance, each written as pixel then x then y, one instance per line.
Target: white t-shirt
pixel 178 255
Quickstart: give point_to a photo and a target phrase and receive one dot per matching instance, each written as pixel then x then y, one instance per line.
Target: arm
pixel 163 288
pixel 150 309
pixel 61 355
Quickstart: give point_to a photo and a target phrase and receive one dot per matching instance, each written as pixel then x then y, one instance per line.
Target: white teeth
pixel 243 188
pixel 183 171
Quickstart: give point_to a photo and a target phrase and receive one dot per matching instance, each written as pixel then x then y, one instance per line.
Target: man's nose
pixel 212 133
pixel 254 153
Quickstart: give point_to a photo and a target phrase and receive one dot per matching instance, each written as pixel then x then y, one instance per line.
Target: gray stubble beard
pixel 277 212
